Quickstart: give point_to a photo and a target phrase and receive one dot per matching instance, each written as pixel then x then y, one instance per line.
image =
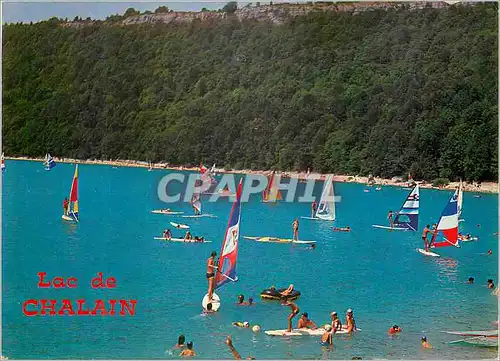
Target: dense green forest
pixel 384 92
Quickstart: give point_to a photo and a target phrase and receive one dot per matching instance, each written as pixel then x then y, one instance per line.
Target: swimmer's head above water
pixel 241 298
pixel 190 345
pixel 213 254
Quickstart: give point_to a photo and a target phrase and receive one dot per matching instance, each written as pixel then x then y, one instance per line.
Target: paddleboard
pixel 303 332
pixel 482 341
pixel 468 240
pixel 215 302
pixel 200 216
pixel 389 228
pixel 277 240
pixel 161 211
pixel 428 253
pixel 178 225
pixel 473 333
pixel 312 218
pixel 181 240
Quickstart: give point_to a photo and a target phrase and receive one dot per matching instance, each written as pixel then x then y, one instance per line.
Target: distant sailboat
pixel 407 217
pixel 150 168
pixel 196 204
pixel 271 193
pixel 49 162
pixel 72 214
pixel 326 207
pixel 3 163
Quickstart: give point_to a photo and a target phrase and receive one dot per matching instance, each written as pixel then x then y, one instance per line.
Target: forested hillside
pixel 384 92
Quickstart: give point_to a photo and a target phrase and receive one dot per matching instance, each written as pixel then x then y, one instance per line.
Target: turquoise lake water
pixel 376 273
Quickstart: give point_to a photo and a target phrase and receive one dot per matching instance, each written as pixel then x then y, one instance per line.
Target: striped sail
pixel 49 162
pixel 407 217
pixel 229 251
pixel 447 228
pixel 3 163
pixel 326 207
pixel 271 193
pixel 460 199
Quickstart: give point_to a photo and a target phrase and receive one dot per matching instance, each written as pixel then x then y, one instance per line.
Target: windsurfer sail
pixel 460 199
pixel 326 207
pixel 72 211
pixel 407 217
pixel 196 203
pixel 271 193
pixel 447 228
pixel 49 162
pixel 229 251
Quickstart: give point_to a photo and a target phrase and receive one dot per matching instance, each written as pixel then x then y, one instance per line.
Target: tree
pixel 131 12
pixel 230 7
pixel 161 9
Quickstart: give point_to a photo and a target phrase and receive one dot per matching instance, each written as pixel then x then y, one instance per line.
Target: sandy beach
pixel 484 187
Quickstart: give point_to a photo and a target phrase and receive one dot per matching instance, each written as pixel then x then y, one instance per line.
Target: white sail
pixel 460 199
pixel 326 207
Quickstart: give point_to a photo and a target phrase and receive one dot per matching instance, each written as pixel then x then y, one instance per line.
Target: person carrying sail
pixel 211 267
pixel 391 221
pixel 65 206
pixel 295 226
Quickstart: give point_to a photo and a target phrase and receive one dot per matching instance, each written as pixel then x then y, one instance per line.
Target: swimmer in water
pixel 241 324
pixel 327 338
pixel 490 252
pixel 425 344
pixel 305 322
pixel 188 352
pixel 491 284
pixel 188 236
pixel 336 323
pixel 471 280
pixel 209 309
pixel 351 324
pixel 345 229
pixel 295 311
pixel 394 329
pixel 250 301
pixel 241 300
pixel 229 343
pixel 180 342
pixel 313 246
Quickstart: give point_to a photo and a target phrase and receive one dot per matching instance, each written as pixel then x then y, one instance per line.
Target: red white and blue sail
pixel 407 217
pixel 3 163
pixel 49 162
pixel 229 252
pixel 447 228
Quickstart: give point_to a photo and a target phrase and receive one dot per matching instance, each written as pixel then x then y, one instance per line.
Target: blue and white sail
pixel 326 207
pixel 460 199
pixel 407 217
pixel 49 162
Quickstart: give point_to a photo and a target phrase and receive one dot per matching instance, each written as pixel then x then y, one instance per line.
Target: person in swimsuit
pixel 351 324
pixel 229 343
pixel 471 280
pixel 188 236
pixel 327 338
pixel 491 284
pixel 288 291
pixel 314 206
pixel 295 311
pixel 241 300
pixel 180 342
pixel 305 322
pixel 394 329
pixel 424 237
pixel 425 344
pixel 336 324
pixel 211 267
pixel 434 235
pixel 188 351
pixel 241 324
pixel 490 252
pixel 295 226
pixel 167 234
pixel 391 221
pixel 65 206
pixel 209 309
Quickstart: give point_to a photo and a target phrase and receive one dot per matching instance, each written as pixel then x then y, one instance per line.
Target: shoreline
pixel 484 187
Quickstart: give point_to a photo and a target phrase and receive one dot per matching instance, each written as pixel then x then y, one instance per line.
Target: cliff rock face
pixel 276 14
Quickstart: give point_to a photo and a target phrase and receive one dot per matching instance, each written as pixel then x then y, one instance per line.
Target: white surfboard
pixel 304 332
pixel 312 218
pixel 200 216
pixel 468 240
pixel 180 240
pixel 215 302
pixel 428 253
pixel 389 228
pixel 162 211
pixel 473 333
pixel 178 225
pixel 277 240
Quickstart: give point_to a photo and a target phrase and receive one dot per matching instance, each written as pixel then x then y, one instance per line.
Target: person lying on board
pixel 326 337
pixel 180 342
pixel 188 352
pixel 188 236
pixel 342 229
pixel 295 310
pixel 336 323
pixel 229 343
pixel 425 344
pixel 395 329
pixel 288 291
pixel 305 322
pixel 199 239
pixel 241 324
pixel 167 234
pixel 351 324
pixel 165 210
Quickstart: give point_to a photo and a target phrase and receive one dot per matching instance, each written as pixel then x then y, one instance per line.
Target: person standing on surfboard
pixel 211 267
pixel 295 226
pixel 391 221
pixel 295 311
pixel 424 237
pixel 314 206
pixel 434 235
pixel 65 206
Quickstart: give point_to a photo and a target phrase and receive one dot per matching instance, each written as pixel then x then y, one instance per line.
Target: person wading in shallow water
pixel 211 268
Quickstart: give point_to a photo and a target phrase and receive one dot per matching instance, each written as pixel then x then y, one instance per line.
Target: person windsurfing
pixel 211 268
pixel 65 206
